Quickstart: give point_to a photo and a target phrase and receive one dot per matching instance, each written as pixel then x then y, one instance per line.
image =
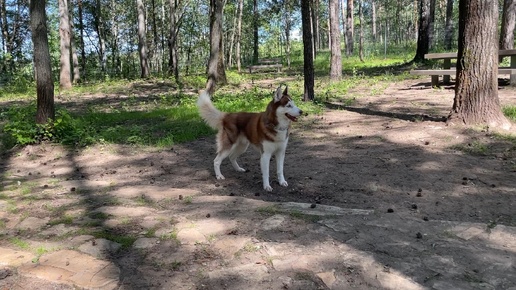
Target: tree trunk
pixel 173 68
pixel 448 31
pixel 232 39
pixel 239 34
pixel 216 70
pixel 44 83
pixel 344 30
pixel 255 31
pixel 336 59
pixel 476 91
pixel 65 75
pixel 76 76
pixel 314 9
pixel 361 32
pixel 288 27
pixel 81 39
pixel 431 22
pixel 349 28
pixel 508 23
pixel 142 40
pixel 307 51
pixel 423 35
pixel 99 26
pixel 373 7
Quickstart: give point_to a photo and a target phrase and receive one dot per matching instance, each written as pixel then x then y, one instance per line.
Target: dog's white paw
pixel 267 187
pixel 240 169
pixel 220 176
pixel 283 183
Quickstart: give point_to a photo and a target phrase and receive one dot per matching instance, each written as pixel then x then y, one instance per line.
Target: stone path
pixel 181 239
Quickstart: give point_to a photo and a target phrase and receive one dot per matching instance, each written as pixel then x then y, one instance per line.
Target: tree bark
pixel 344 30
pixel 239 34
pixel 142 40
pixel 476 91
pixel 336 58
pixel 423 35
pixel 44 83
pixel 255 31
pixel 216 70
pixel 173 68
pixel 65 74
pixel 448 31
pixel 373 15
pixel 81 33
pixel 349 28
pixel 508 23
pixel 361 32
pixel 288 27
pixel 308 66
pixel 99 27
pixel 76 75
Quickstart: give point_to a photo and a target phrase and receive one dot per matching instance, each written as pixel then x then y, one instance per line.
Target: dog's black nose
pixel 300 112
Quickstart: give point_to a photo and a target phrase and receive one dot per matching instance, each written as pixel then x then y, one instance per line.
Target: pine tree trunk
pixel 508 23
pixel 65 75
pixel 423 35
pixel 361 32
pixel 239 34
pixel 216 70
pixel 44 83
pixel 448 32
pixel 336 58
pixel 344 30
pixel 349 28
pixel 476 91
pixel 142 40
pixel 255 31
pixel 307 51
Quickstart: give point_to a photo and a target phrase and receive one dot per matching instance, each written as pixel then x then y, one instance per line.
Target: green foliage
pixel 22 129
pixel 510 112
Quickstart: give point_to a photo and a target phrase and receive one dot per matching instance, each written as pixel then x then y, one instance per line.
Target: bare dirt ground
pixel 382 195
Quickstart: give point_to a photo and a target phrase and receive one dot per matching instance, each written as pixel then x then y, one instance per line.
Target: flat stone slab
pixel 154 193
pixel 122 211
pixel 100 248
pixel 74 268
pixel 144 243
pixel 321 210
pixel 14 258
pixel 33 223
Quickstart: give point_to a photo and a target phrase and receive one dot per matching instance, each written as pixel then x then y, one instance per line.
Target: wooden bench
pixel 435 73
pixel 266 64
pixel 448 56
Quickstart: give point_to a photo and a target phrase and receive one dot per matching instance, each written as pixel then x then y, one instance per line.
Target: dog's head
pixel 285 107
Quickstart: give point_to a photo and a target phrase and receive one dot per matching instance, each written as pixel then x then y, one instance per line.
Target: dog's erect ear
pixel 285 92
pixel 278 95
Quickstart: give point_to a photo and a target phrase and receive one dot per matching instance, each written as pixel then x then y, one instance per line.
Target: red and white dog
pixel 268 131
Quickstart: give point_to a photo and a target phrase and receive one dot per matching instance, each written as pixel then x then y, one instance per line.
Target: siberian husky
pixel 267 131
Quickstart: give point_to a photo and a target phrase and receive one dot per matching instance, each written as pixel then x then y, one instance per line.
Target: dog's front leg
pixel 264 164
pixel 280 159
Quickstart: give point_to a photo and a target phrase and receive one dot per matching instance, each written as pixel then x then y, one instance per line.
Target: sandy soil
pixel 389 152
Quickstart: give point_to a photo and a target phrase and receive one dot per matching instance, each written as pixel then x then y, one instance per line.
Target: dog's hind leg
pixel 236 150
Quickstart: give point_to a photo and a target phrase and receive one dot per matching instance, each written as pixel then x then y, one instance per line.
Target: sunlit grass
pixel 510 112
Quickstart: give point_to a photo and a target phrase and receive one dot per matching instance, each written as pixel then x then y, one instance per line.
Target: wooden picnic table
pixel 448 56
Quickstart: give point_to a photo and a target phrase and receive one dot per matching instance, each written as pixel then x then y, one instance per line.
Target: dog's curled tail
pixel 208 112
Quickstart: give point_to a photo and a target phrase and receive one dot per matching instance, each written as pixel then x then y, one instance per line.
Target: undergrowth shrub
pixel 22 129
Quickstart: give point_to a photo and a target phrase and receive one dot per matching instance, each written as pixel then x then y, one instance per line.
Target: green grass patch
pixel 125 241
pixel 20 243
pixel 510 112
pixel 65 219
pixel 473 148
